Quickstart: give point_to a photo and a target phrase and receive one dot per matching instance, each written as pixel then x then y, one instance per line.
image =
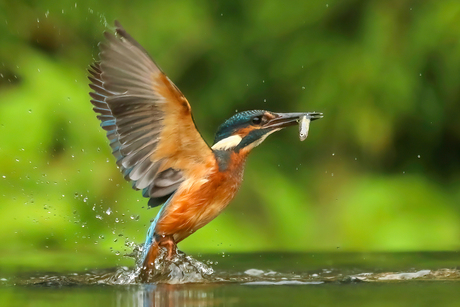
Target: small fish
pixel 304 126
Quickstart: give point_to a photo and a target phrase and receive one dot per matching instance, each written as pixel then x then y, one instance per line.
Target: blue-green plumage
pixel 236 122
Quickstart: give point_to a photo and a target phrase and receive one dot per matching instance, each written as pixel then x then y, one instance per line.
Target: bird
pixel 152 134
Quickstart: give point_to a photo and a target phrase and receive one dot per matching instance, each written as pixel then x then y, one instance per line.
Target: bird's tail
pixel 152 248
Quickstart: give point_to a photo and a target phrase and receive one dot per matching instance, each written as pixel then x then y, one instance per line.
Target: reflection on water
pixel 174 296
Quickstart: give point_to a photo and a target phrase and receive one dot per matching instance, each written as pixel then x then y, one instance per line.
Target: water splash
pixel 178 270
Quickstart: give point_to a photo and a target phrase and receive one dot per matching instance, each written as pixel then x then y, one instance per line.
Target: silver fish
pixel 304 126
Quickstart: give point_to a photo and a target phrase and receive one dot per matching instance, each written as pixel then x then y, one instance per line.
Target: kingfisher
pixel 159 150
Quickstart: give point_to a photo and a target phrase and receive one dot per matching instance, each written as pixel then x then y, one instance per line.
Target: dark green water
pixel 334 279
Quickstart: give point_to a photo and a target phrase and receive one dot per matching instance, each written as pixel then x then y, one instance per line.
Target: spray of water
pixel 178 270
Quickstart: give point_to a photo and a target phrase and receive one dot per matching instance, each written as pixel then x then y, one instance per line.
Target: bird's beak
pixel 283 120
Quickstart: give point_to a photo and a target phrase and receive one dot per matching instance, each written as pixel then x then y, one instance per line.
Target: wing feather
pixel 148 121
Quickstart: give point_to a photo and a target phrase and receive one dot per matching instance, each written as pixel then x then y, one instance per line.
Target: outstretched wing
pixel 148 120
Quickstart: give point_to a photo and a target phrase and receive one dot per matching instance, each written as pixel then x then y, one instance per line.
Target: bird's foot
pixel 169 244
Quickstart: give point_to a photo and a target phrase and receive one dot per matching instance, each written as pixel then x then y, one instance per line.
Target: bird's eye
pixel 257 120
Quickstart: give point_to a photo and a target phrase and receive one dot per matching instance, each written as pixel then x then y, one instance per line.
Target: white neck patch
pixel 227 143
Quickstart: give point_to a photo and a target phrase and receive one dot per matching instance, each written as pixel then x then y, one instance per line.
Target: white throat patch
pixel 227 143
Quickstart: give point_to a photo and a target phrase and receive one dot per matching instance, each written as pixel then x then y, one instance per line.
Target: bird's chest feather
pixel 200 200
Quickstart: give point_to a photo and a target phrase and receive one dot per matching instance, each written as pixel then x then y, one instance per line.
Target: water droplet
pixel 418 156
pixel 99 217
pixel 135 217
pixel 108 211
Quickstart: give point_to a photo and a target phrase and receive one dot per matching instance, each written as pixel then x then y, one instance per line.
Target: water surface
pixel 267 279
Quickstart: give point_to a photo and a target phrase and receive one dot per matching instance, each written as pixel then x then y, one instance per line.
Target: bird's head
pixel 246 130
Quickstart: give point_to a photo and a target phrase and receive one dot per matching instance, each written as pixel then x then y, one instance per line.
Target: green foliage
pixel 379 172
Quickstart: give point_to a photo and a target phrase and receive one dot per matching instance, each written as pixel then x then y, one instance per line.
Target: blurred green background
pixel 380 172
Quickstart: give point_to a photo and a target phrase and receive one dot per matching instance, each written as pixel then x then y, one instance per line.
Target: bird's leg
pixel 168 243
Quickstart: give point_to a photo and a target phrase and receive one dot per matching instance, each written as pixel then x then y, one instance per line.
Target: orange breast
pixel 199 200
